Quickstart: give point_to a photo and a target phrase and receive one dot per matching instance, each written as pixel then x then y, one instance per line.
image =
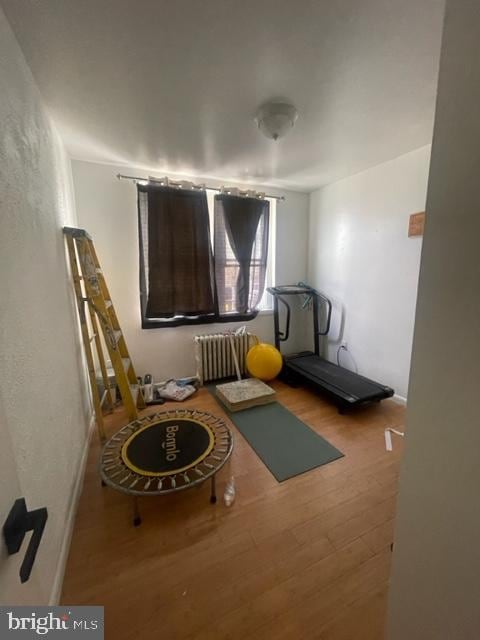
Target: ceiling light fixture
pixel 275 118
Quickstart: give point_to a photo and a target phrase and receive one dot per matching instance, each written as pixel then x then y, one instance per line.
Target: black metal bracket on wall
pixel 18 522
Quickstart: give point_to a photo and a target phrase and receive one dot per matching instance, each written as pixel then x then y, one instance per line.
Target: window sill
pixel 182 321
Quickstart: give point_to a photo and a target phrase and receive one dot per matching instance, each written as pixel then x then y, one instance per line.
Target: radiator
pixel 213 355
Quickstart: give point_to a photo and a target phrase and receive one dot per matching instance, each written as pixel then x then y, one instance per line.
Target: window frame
pixel 264 308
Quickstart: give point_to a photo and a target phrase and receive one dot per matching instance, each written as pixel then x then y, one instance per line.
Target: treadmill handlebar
pixel 283 336
pixel 278 292
pixel 329 314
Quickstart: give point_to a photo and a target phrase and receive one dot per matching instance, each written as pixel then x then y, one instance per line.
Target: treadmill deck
pixel 348 387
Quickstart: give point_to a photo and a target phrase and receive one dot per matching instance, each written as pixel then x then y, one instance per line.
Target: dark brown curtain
pixel 241 249
pixel 176 260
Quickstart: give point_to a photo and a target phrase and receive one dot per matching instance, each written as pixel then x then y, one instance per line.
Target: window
pixel 266 302
pixel 204 257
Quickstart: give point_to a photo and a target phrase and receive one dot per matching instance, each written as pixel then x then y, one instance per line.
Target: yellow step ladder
pixel 91 291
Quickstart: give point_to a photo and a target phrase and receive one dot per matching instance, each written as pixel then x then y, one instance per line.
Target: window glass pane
pixel 227 298
pixel 266 303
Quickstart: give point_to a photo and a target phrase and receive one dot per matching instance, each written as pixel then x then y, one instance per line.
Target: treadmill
pixel 344 387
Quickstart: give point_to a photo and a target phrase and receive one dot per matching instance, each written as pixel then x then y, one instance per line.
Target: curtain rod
pixel 180 183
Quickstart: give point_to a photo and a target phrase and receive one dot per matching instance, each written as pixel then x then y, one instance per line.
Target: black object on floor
pixel 167 452
pixel 285 444
pixel 344 387
pixel 348 388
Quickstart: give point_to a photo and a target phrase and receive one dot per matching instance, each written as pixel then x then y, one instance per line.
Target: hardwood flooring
pixel 307 558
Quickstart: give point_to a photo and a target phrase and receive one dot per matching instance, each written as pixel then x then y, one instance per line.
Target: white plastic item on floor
pixel 148 388
pixel 229 495
pixel 388 437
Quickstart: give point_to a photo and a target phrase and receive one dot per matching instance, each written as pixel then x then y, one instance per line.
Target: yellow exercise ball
pixel 264 361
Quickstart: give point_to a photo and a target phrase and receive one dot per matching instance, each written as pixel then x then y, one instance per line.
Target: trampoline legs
pixel 213 494
pixel 137 520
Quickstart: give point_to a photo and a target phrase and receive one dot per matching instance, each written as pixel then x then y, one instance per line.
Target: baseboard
pixel 67 537
pixel 400 399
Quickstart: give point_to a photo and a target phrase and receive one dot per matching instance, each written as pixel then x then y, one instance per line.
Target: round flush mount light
pixel 276 118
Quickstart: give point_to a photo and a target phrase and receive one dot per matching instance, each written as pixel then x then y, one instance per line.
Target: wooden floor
pixel 308 558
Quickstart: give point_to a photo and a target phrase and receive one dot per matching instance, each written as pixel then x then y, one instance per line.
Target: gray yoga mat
pixel 283 442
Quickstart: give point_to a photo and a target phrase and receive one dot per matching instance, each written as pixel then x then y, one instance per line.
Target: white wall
pixel 435 590
pixel 361 257
pixel 44 409
pixel 107 208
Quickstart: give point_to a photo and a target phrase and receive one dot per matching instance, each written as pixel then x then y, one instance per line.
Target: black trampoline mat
pixel 167 446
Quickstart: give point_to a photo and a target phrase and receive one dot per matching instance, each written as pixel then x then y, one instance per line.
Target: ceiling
pixel 173 86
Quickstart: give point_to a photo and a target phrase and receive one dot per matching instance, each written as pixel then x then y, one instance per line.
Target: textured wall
pixel 361 256
pixel 107 208
pixel 43 396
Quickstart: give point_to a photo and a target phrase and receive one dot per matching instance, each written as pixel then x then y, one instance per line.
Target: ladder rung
pixel 104 397
pixel 118 335
pixel 126 364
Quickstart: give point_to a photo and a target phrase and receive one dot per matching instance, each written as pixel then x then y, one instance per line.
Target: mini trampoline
pixel 166 452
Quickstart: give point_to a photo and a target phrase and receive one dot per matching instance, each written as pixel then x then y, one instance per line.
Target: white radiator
pixel 213 355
